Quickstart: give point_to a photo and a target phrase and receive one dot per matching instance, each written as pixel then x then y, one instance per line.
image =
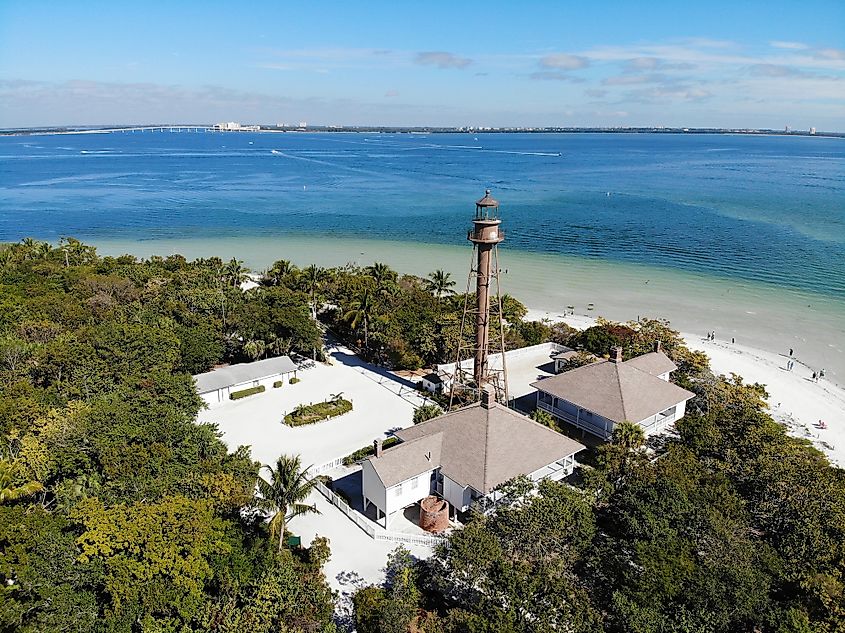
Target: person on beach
pixel 790 352
pixel 733 340
pixel 821 373
pixel 815 379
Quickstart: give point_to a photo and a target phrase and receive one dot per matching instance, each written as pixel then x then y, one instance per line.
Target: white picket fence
pixel 372 532
pixel 319 470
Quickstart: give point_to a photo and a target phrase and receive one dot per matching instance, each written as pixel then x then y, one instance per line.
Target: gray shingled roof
pixel 478 447
pixel 654 363
pixel 243 372
pixel 616 391
pixel 403 461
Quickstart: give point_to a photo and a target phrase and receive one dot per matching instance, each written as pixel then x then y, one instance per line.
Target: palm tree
pixel 76 250
pixel 283 495
pixel 360 314
pixel 255 348
pixel 30 247
pixel 44 250
pixel 629 435
pixel 312 277
pixel 278 271
pixel 383 274
pixel 440 283
pixel 235 273
pixel 10 472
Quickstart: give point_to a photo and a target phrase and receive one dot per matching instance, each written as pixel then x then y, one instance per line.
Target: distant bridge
pixel 152 128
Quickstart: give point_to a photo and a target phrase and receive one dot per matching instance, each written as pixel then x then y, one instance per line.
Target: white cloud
pixel 555 75
pixel 442 59
pixel 794 46
pixel 831 53
pixel 624 80
pixel 564 61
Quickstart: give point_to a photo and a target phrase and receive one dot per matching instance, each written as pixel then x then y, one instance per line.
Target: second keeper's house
pixel 598 396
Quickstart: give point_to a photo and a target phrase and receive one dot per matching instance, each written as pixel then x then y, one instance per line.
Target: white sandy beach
pixel 794 399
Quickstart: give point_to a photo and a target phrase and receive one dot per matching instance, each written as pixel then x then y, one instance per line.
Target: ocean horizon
pixel 742 235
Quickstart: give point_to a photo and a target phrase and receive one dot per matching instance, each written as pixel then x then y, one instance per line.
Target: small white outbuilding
pixel 215 386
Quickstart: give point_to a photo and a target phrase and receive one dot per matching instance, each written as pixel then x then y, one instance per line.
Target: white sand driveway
pixel 380 401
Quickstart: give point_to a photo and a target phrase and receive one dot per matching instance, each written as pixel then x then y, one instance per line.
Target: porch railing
pixel 370 530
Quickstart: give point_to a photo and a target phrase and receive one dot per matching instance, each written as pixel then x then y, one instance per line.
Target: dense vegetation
pixel 728 526
pixel 403 322
pixel 118 512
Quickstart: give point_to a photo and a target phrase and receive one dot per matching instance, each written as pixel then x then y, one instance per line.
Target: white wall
pixel 457 495
pixel 406 493
pixel 221 396
pixel 372 487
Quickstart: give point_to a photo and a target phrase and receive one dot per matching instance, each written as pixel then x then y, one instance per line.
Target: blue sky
pixel 708 63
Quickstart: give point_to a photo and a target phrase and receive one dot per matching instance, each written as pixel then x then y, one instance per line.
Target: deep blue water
pixel 762 209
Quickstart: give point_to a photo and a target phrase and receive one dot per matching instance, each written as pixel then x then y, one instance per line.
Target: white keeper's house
pixel 598 396
pixel 462 456
pixel 215 386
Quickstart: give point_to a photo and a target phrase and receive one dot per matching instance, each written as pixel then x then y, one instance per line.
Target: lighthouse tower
pixel 483 319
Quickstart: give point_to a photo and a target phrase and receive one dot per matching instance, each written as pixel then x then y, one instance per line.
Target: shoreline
pixel 794 400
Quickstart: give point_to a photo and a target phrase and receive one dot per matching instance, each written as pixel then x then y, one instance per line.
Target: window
pixel 669 411
pixel 415 483
pixel 398 491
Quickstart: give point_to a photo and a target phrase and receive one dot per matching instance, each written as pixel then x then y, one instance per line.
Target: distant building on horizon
pixel 812 130
pixel 233 126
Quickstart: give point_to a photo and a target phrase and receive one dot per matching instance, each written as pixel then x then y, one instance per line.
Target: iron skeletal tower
pixel 485 317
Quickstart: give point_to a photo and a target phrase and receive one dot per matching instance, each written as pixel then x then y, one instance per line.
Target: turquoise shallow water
pixel 702 219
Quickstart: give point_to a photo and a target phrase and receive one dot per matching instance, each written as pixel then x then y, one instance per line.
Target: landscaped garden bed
pixel 311 413
pixel 237 395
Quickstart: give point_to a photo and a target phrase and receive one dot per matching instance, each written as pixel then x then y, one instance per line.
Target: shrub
pixel 278 384
pixel 237 395
pixel 366 451
pixel 293 380
pixel 543 417
pixel 426 412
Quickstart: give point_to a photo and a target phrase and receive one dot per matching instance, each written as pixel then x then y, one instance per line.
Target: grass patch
pixel 243 393
pixel 366 451
pixel 311 413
